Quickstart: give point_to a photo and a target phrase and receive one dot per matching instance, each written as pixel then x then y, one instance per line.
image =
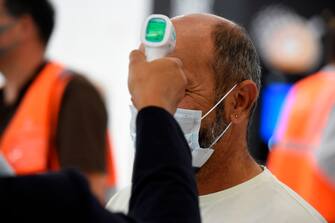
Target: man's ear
pixel 245 96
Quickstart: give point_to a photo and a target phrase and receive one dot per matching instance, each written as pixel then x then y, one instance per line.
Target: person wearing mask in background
pixel 50 117
pixel 223 72
pixel 303 146
pixel 163 164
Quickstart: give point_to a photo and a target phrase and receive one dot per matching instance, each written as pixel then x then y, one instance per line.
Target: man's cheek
pixel 186 103
pixel 205 137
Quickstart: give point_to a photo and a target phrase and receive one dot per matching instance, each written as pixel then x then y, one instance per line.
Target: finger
pixel 135 57
pixel 141 47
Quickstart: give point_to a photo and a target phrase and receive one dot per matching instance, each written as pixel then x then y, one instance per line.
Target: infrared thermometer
pixel 158 36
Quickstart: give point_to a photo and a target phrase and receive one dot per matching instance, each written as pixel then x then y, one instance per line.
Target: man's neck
pixel 18 68
pixel 229 166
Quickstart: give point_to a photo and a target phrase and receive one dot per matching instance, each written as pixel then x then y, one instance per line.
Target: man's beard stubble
pixel 208 134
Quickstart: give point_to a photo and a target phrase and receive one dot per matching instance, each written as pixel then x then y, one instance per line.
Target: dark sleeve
pixel 82 124
pixel 56 197
pixel 163 183
pixel 164 188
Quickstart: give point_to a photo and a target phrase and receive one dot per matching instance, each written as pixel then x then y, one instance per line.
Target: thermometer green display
pixel 158 36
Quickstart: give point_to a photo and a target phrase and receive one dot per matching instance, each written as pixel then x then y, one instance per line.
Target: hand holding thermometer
pixel 158 36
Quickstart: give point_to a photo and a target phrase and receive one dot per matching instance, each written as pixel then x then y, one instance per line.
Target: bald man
pixel 223 72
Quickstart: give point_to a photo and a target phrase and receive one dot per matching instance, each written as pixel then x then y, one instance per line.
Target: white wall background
pixel 95 38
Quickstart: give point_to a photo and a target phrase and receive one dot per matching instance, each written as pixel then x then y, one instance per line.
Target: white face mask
pixel 190 122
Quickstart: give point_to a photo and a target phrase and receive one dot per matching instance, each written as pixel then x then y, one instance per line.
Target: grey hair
pixel 235 57
pixel 235 60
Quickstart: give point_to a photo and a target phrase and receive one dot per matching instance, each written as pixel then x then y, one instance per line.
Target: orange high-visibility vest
pixel 297 139
pixel 28 143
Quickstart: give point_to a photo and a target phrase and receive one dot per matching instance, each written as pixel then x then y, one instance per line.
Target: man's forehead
pixel 194 37
pixel 201 18
pixel 192 26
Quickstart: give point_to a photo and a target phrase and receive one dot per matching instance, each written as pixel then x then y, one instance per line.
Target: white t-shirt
pixel 260 199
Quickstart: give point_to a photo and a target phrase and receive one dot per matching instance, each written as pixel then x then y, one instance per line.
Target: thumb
pixel 136 57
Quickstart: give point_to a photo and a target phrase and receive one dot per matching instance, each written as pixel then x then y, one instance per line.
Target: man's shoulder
pixel 291 203
pixel 283 203
pixel 120 201
pixel 261 199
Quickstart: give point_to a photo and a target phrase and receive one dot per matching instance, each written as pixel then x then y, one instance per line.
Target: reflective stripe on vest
pixel 297 138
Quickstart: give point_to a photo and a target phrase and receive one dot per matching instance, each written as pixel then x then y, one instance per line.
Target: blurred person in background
pixel 290 48
pixel 223 72
pixel 50 117
pixel 303 150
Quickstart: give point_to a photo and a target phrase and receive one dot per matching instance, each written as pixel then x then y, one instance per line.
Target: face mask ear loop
pixel 219 101
pixel 219 137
